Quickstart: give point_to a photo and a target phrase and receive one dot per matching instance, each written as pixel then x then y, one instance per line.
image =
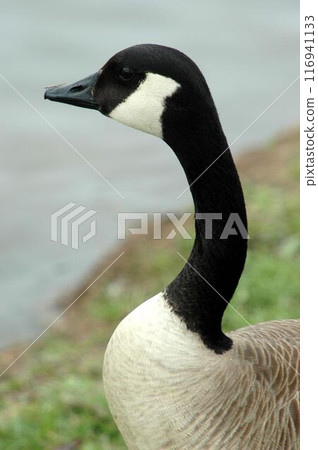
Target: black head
pixel 135 85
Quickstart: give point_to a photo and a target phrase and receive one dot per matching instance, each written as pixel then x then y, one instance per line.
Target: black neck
pixel 200 292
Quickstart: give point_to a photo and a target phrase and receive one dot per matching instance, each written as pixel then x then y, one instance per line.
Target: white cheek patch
pixel 144 107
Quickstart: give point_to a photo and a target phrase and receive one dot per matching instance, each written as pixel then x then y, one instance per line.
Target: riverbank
pixel 52 397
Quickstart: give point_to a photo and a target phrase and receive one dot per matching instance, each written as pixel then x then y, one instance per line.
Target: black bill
pixel 78 94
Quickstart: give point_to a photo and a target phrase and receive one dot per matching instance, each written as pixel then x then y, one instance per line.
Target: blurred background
pixel 248 52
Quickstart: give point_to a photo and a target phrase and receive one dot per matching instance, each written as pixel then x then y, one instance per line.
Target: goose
pixel 173 380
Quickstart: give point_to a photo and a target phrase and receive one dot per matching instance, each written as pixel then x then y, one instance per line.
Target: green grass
pixel 53 395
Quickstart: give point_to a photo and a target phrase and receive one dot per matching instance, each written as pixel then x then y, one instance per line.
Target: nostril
pixel 77 88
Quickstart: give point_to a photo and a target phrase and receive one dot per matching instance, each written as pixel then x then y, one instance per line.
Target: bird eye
pixel 126 74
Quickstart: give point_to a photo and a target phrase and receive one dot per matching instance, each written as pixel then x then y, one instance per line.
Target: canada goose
pixel 172 378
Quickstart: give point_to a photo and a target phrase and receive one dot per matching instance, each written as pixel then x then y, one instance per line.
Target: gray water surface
pixel 248 52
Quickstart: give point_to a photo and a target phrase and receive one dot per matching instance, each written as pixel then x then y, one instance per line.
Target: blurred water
pixel 248 52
